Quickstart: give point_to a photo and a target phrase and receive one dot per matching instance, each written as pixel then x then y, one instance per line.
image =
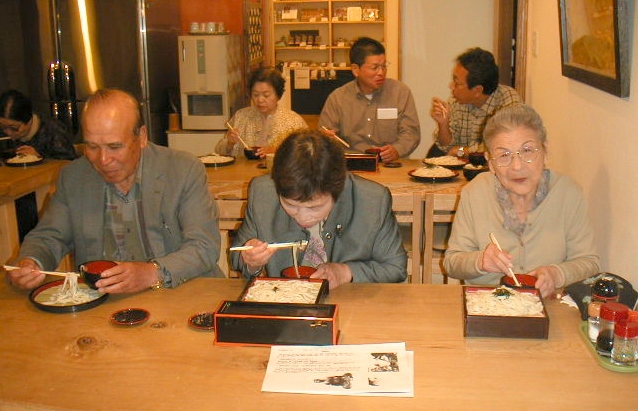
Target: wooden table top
pixel 232 181
pixel 18 181
pixel 82 362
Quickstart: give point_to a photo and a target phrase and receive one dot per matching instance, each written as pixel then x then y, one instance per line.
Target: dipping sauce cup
pixel 304 272
pixel 92 271
pixel 252 153
pixel 527 281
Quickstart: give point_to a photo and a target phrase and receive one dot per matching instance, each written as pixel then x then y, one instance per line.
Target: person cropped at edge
pixel 476 96
pixel 264 124
pixel 311 191
pixel 32 133
pixel 538 216
pixel 372 110
pixel 126 200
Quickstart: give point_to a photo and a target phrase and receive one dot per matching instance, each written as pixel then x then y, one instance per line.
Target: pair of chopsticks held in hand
pixel 331 134
pixel 495 242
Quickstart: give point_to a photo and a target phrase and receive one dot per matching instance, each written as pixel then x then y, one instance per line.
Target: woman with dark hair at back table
pixel 264 124
pixel 32 133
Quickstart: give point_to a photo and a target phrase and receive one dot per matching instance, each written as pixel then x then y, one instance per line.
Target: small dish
pixel 432 179
pixel 215 160
pixel 202 321
pixel 13 162
pixel 451 162
pixel 130 316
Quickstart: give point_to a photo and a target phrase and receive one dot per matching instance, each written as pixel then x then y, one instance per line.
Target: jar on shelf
pixel 625 348
pixel 610 313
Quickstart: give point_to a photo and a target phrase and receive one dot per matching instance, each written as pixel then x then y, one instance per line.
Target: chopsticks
pixel 336 136
pixel 300 243
pixel 10 267
pixel 495 241
pixel 238 136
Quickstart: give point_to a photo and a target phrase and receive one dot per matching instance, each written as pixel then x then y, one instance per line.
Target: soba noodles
pixel 283 291
pixel 517 304
pixel 71 293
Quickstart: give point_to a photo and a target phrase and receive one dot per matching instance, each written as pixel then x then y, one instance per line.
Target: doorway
pixel 511 43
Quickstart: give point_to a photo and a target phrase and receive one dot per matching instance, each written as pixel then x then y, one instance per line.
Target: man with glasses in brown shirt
pixel 373 111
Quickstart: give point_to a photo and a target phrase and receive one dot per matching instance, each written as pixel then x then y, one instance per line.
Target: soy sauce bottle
pixel 610 313
pixel 605 289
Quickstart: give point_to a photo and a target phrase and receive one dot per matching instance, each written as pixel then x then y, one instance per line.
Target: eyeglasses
pixel 457 84
pixel 11 128
pixel 526 154
pixel 377 67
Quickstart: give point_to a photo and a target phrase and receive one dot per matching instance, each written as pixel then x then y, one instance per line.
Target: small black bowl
pixel 252 153
pixel 470 173
pixel 92 271
pixel 477 158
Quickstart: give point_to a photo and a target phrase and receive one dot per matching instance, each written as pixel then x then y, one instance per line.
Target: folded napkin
pixel 581 292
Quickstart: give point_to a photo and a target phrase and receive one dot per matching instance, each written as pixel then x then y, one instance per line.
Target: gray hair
pixel 512 117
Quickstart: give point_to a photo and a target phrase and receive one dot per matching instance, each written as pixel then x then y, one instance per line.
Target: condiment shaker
pixel 610 313
pixel 593 320
pixel 625 348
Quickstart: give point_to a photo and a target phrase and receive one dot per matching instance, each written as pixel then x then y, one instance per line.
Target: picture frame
pixel 595 43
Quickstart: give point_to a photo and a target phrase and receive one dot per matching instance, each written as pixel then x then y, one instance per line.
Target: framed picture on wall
pixel 595 43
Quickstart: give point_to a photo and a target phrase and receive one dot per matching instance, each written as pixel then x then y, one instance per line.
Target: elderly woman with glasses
pixel 538 216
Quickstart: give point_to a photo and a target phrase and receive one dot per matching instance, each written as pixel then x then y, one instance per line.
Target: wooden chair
pixel 439 208
pixel 231 215
pixel 408 209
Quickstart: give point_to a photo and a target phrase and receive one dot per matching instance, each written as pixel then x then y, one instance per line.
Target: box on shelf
pixel 265 324
pixel 503 326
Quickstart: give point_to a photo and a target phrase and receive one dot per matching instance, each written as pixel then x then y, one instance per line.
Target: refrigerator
pixel 58 52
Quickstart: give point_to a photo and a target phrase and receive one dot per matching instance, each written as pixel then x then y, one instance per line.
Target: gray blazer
pixel 360 231
pixel 180 216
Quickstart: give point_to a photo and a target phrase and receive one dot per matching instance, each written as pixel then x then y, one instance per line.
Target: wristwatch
pixel 160 276
pixel 461 152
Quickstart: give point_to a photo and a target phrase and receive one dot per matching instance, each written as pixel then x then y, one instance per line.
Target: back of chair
pixel 231 215
pixel 408 209
pixel 439 208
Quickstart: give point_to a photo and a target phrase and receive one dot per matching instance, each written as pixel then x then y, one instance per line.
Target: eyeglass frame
pixel 376 67
pixel 510 155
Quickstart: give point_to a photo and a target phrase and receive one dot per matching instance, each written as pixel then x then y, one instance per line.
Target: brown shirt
pixel 389 117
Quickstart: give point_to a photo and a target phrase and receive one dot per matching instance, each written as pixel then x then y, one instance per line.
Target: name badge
pixel 387 113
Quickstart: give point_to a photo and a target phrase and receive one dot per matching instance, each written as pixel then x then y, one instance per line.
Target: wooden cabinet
pixel 319 33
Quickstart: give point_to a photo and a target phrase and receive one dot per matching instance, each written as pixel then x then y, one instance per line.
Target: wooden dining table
pixel 81 361
pixel 16 182
pixel 231 181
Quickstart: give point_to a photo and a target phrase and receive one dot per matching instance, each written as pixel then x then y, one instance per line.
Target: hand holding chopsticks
pixel 10 267
pixel 495 242
pixel 246 146
pixel 301 244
